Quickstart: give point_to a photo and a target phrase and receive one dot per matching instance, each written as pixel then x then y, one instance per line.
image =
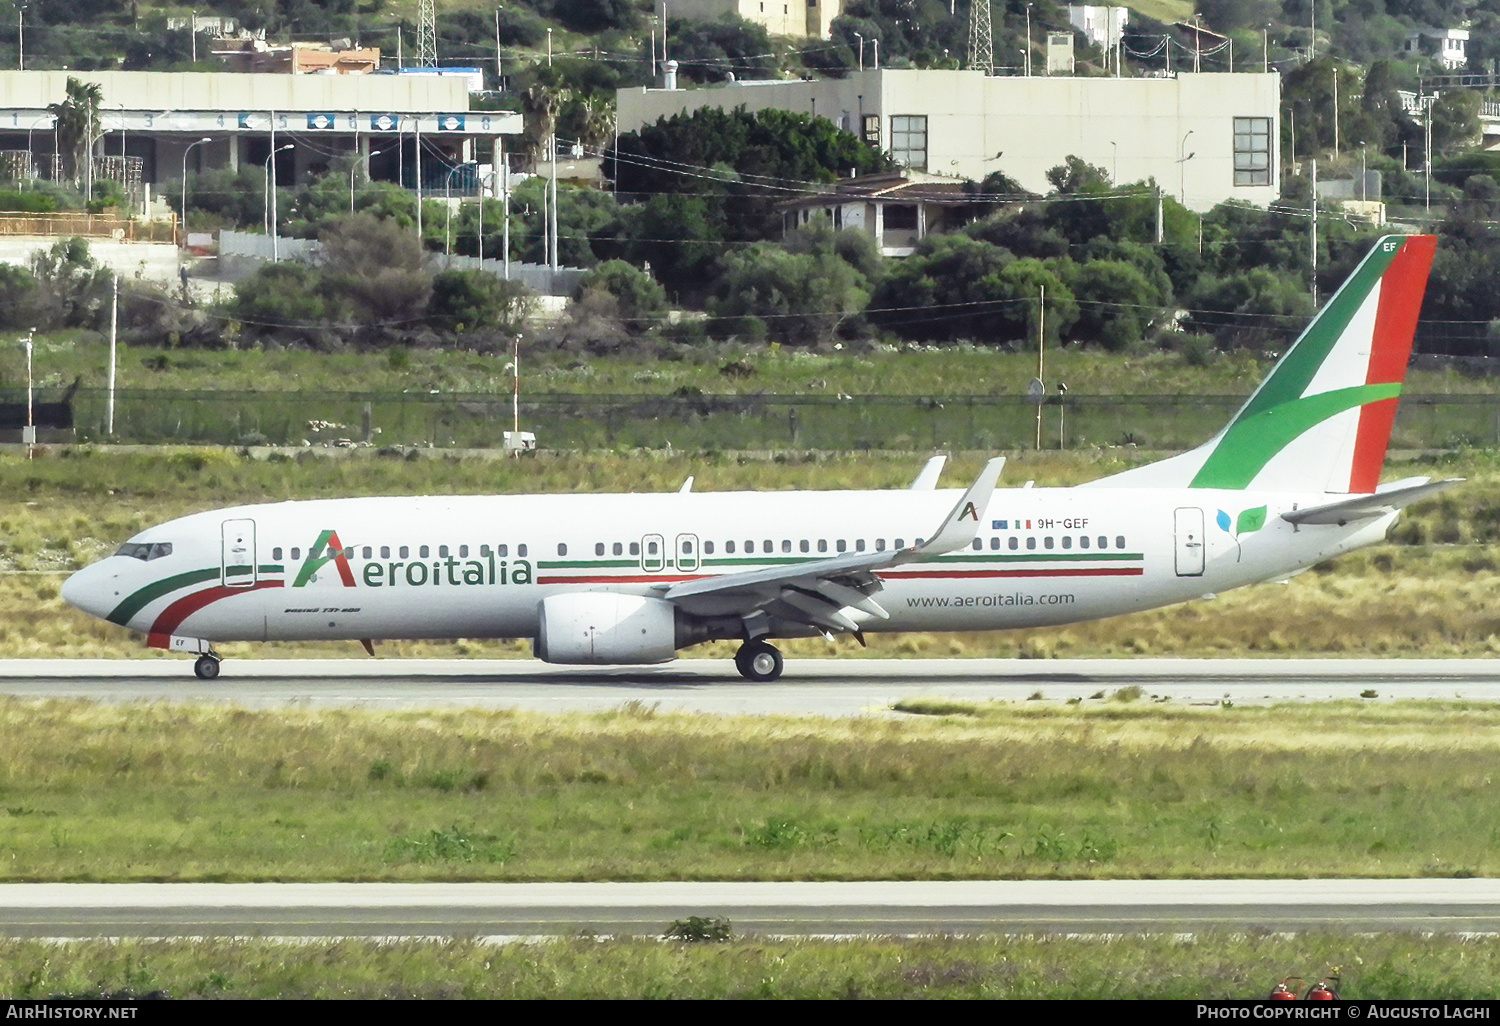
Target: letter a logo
pixel 969 513
pixel 326 549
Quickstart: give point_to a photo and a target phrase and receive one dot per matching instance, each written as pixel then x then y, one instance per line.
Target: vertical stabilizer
pixel 1321 421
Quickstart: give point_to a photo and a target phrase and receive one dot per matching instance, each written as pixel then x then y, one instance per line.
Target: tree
pixel 470 300
pixel 374 269
pixel 281 296
pixel 74 288
pixel 740 163
pixel 77 120
pixel 639 300
pixel 1455 119
pixel 1117 304
pixel 710 51
pixel 800 299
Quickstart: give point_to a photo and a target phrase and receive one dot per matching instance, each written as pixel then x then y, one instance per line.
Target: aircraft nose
pixel 91 590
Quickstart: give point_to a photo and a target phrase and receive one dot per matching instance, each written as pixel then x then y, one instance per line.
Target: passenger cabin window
pixel 443 551
pixel 635 548
pixel 729 547
pixel 1119 541
pixel 484 550
pixel 977 544
pixel 385 552
pixel 1083 542
pixel 618 549
pixel 369 553
pixel 463 552
pixel 296 552
pixel 404 552
pixel 502 550
pixel 841 545
pixel 275 553
pixel 1031 543
pixel 1015 543
pixel 598 548
pixel 562 549
pixel 521 550
pixel 708 548
pixel 805 545
pixel 422 552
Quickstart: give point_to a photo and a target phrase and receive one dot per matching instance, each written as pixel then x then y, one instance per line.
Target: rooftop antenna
pixel 426 34
pixel 981 45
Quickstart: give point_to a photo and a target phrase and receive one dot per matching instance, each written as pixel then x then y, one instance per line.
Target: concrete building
pixel 1102 26
pixel 778 17
pixel 150 119
pixel 1448 46
pixel 1204 138
pixel 897 209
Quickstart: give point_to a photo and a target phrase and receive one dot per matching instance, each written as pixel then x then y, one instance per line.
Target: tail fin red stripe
pixel 1401 290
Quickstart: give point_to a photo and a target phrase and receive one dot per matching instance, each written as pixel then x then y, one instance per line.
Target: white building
pixel 1102 26
pixel 778 17
pixel 1450 47
pixel 150 120
pixel 1204 138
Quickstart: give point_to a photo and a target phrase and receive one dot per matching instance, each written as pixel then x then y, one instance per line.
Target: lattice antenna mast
pixel 426 34
pixel 981 45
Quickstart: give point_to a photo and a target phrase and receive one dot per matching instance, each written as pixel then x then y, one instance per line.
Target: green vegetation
pixel 1204 966
pixel 1026 790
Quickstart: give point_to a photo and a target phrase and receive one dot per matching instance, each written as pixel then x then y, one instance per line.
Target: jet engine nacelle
pixel 601 627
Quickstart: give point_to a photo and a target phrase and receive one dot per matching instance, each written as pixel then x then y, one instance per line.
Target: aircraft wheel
pixel 207 667
pixel 758 661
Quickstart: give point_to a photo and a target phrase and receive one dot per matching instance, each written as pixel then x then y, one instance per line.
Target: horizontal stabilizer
pixel 1366 507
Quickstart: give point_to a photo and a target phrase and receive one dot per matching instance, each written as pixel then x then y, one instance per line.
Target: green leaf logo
pixel 1250 520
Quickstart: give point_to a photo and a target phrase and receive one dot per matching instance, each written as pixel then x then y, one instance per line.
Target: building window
pixel 872 129
pixel 1252 151
pixel 909 140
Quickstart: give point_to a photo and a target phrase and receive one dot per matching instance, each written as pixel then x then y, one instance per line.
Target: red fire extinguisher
pixel 1287 989
pixel 1326 988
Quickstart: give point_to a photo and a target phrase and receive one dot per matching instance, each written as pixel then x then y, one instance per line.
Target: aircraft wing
pixel 817 591
pixel 1390 498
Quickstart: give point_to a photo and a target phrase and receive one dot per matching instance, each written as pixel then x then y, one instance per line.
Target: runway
pixel 646 909
pixel 820 687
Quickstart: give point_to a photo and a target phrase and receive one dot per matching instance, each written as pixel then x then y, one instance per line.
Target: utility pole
pixel 1041 349
pixel 499 76
pixel 114 331
pixel 1314 162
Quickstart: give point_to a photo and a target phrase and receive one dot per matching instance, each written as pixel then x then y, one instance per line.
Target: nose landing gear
pixel 207 666
pixel 758 661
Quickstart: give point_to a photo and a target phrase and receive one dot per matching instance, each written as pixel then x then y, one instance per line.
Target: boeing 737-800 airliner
pixel 1292 480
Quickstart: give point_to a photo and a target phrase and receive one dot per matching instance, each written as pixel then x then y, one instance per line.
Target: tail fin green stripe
pixel 1253 441
pixel 1295 372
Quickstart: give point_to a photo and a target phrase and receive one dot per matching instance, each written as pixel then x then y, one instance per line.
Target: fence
pixel 96 226
pixel 727 422
pixel 537 277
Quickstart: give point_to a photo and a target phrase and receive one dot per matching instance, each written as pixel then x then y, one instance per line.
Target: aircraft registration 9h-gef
pixel 631 579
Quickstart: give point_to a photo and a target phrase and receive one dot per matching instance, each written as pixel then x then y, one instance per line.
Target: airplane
pixel 1293 479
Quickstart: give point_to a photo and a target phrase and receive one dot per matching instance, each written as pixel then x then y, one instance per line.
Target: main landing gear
pixel 207 666
pixel 758 661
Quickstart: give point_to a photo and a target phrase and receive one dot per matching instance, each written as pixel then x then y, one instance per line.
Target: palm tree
pixel 77 125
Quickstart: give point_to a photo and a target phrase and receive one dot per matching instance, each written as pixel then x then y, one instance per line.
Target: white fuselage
pixel 479 567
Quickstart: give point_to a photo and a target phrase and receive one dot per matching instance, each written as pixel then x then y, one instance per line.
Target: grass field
pixel 714 369
pixel 1116 787
pixel 1207 966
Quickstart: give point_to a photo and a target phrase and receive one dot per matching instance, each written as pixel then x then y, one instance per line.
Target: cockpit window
pixel 146 550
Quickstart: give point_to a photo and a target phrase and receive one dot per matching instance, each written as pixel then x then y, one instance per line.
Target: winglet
pixel 927 480
pixel 962 522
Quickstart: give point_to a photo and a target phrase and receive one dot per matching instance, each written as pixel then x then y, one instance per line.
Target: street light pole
pixel 354 169
pixel 271 200
pixel 30 420
pixel 1182 168
pixel 21 38
pixel 185 153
